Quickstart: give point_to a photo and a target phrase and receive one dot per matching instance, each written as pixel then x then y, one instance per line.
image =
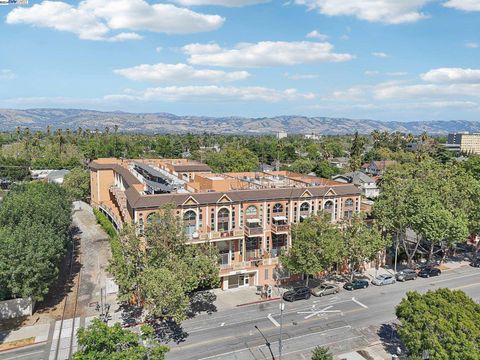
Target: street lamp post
pixel 282 307
pixel 266 342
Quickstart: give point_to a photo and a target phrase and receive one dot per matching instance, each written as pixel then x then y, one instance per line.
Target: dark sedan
pixel 356 284
pixel 428 272
pixel 297 294
pixel 476 262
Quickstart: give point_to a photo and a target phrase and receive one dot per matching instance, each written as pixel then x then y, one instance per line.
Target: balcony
pixel 221 235
pixel 216 235
pixel 253 231
pixel 121 200
pixel 280 228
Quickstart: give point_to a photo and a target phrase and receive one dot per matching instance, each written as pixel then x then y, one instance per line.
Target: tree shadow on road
pixel 169 330
pixel 202 302
pixel 390 339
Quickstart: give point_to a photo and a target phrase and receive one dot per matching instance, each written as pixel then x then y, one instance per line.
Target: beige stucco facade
pixel 248 216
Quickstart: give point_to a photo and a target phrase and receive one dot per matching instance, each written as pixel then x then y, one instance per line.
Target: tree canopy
pixel 100 341
pixel 34 233
pixel 438 202
pixel 77 184
pixel 315 246
pixel 444 322
pixel 150 277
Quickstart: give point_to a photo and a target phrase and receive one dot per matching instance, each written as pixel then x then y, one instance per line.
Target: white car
pixel 383 279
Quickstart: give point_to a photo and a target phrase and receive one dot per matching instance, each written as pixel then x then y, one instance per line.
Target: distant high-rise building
pixel 281 135
pixel 466 142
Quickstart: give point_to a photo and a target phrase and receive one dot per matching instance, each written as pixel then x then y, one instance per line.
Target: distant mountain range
pixel 39 119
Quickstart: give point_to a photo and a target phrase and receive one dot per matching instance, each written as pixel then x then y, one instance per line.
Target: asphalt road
pixel 231 334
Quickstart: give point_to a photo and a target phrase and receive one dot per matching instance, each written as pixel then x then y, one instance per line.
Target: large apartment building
pixel 248 215
pixel 464 142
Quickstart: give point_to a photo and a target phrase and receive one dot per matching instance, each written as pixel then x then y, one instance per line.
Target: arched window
pixel 151 218
pixel 223 220
pixel 190 222
pixel 305 207
pixel 349 202
pixel 277 208
pixel 251 211
pixel 329 205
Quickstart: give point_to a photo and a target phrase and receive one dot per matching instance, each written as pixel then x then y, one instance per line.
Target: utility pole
pixel 266 342
pixel 282 307
pixel 396 254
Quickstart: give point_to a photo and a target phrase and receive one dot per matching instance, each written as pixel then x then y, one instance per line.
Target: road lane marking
pixel 314 312
pixel 24 355
pixel 359 303
pixel 274 322
pixel 222 324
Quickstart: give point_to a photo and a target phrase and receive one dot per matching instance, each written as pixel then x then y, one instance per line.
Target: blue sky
pixel 379 59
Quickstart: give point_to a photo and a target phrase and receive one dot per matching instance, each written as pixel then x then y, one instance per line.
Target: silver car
pixel 325 289
pixel 383 279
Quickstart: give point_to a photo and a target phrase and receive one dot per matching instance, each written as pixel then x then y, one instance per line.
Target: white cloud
pixel 301 76
pixel 158 49
pixel 349 94
pixel 380 54
pixel 178 73
pixel 214 94
pixel 452 75
pixel 425 91
pixel 472 45
pixel 96 19
pixel 7 74
pixel 265 53
pixel 386 11
pixel 396 73
pixel 372 72
pixel 228 3
pixel 317 35
pixel 465 5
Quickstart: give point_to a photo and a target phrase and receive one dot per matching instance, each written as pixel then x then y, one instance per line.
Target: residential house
pixel 366 183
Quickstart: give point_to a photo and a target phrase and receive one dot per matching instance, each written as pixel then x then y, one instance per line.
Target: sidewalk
pixel 26 335
pixel 388 270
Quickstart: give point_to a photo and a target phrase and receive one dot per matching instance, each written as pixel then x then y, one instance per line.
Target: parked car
pixel 476 262
pixel 356 284
pixel 407 274
pixel 297 294
pixel 325 289
pixel 429 271
pixel 384 279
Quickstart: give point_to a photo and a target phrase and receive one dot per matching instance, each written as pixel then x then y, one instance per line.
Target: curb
pixel 22 346
pixel 258 302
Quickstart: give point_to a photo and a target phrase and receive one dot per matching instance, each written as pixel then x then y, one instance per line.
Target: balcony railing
pixel 253 231
pixel 280 228
pixel 225 234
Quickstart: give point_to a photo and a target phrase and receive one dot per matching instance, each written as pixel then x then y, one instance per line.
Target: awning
pixel 253 221
pixel 303 216
pixel 280 218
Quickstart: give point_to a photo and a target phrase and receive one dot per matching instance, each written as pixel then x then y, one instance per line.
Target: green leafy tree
pixel 127 263
pixel 445 323
pixel 77 184
pixel 164 293
pixel 100 341
pixel 321 353
pixel 361 243
pixel 233 159
pixel 302 166
pixel 151 276
pixel 315 246
pixel 34 233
